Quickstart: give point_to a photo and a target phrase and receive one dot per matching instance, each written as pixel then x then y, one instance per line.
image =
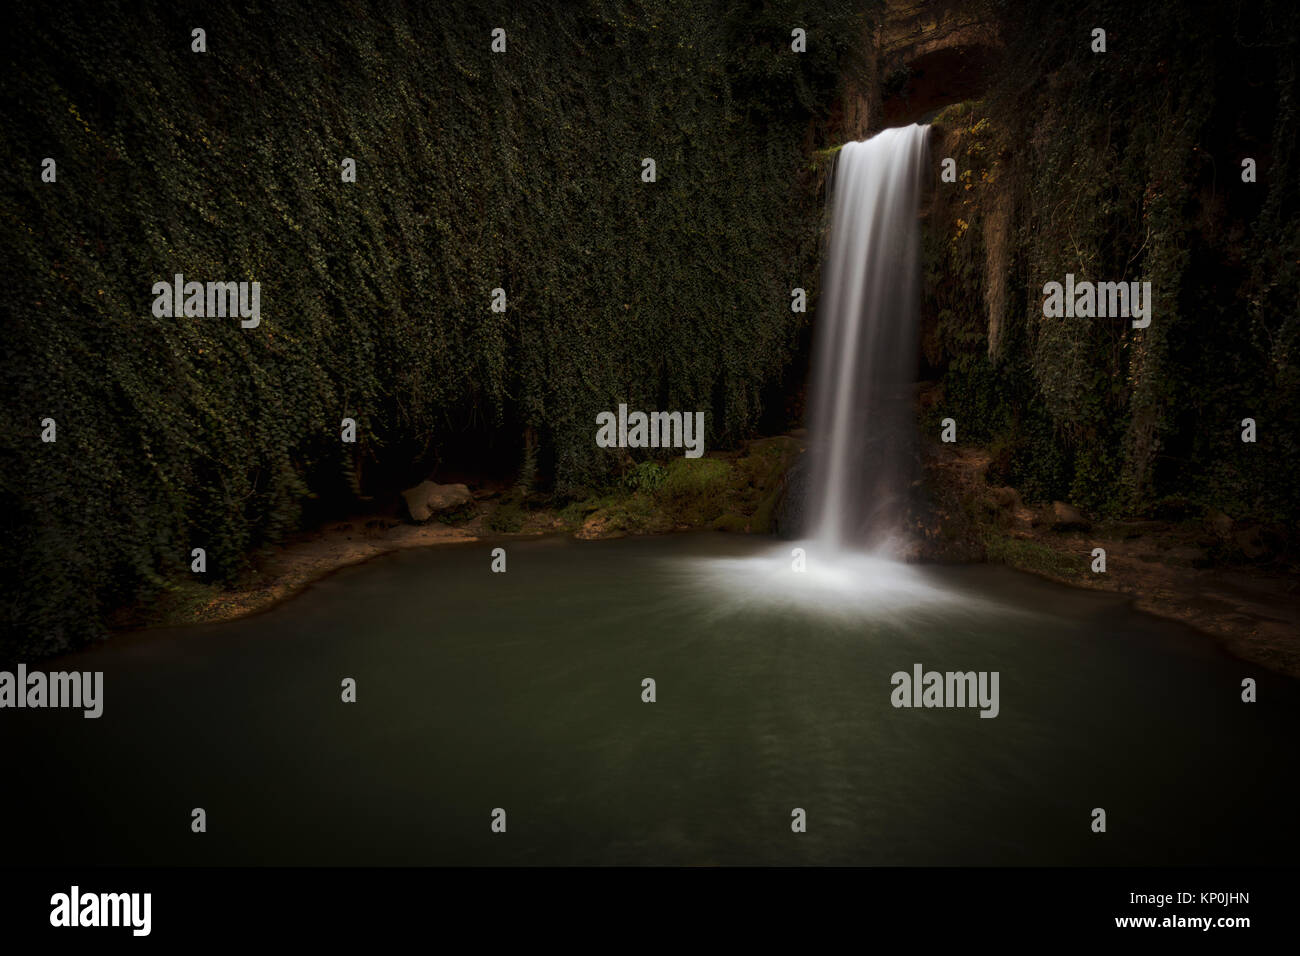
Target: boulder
pixel 429 498
pixel 1067 518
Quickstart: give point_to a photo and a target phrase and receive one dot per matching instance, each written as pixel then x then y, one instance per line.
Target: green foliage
pixel 508 517
pixel 1029 555
pixel 647 476
pixel 574 513
pixel 768 80
pixel 692 478
pixel 1126 166
pixel 475 171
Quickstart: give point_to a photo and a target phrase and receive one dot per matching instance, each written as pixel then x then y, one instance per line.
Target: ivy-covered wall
pixel 1127 166
pixel 522 170
pixel 475 170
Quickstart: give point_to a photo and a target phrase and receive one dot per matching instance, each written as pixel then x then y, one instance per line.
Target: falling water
pixel 861 459
pixel 866 347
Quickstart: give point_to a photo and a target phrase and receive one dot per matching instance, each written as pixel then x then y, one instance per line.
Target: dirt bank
pixel 287 569
pixel 1193 571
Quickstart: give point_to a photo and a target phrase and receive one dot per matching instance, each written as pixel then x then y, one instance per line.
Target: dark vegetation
pixel 1127 165
pixel 475 171
pixel 522 171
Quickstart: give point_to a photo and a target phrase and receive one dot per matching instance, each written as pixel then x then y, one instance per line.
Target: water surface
pixel 523 691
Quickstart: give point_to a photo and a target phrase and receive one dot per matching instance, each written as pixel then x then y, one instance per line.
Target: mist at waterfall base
pixel 861 429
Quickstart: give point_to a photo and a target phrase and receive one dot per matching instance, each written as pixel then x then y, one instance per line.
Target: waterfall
pixel 861 456
pixel 866 338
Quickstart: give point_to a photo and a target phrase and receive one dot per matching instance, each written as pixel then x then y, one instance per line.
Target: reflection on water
pixel 523 691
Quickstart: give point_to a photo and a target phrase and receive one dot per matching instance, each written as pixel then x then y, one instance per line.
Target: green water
pixel 523 691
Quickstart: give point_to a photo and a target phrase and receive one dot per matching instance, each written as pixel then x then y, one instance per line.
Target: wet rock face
pixel 927 54
pixel 429 498
pixel 932 54
pixel 914 28
pixel 788 517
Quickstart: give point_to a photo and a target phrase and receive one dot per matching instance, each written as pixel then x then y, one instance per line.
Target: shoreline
pixel 1243 610
pixel 286 570
pixel 1227 607
pixel 1252 610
